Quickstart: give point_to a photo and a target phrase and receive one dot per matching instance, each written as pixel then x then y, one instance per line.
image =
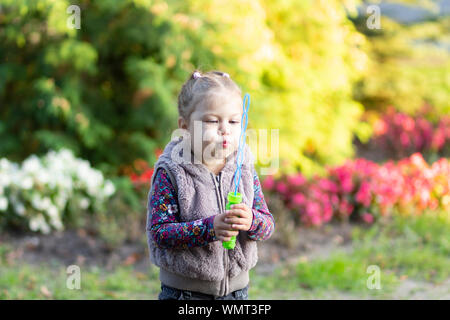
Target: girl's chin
pixel 223 151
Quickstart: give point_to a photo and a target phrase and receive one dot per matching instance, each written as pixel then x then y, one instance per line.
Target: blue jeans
pixel 169 293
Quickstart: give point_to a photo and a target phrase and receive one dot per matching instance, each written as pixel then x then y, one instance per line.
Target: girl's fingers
pixel 237 212
pixel 226 233
pixel 239 227
pixel 235 220
pixel 226 227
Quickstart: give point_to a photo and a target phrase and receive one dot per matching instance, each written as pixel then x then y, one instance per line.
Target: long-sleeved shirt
pixel 169 232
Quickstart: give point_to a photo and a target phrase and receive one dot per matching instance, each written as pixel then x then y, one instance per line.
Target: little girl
pixel 186 216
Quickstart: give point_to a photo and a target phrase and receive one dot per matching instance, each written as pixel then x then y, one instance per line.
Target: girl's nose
pixel 224 128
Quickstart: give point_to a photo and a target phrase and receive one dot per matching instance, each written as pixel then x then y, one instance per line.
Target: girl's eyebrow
pixel 212 114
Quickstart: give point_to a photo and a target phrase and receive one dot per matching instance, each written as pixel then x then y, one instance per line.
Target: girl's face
pixel 215 125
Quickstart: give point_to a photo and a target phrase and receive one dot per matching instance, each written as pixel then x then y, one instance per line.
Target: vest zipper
pixel 227 261
pixel 222 209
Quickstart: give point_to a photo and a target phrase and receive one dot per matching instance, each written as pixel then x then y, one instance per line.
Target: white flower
pixel 109 189
pixel 31 164
pixel 43 176
pixel 52 212
pixel 46 203
pixel 54 217
pixel 3 203
pixel 39 223
pixel 36 201
pixel 4 164
pixel 57 224
pixel 84 203
pixel 58 173
pixel 26 183
pixel 19 208
pixel 5 180
pixel 61 200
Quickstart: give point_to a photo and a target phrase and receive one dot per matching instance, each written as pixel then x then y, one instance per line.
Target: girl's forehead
pixel 221 105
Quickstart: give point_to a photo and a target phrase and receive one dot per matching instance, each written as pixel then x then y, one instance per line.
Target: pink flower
pixel 438 139
pixel 328 185
pixel 315 220
pixel 367 217
pixel 312 209
pixel 281 187
pixel 268 183
pixel 296 180
pixel 364 196
pixel 298 199
pixel 327 212
pixel 347 184
pixel 404 139
pixel 418 160
pixel 346 208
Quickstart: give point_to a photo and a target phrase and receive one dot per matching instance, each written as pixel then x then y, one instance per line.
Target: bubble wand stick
pixel 235 197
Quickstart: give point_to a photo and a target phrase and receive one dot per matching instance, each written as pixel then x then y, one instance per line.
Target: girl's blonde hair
pixel 203 86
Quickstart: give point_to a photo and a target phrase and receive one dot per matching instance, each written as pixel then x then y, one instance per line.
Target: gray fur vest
pixel 200 196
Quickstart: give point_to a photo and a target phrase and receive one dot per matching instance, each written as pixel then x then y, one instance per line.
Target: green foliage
pixel 108 90
pixel 409 66
pixel 415 246
pixel 298 60
pixel 124 218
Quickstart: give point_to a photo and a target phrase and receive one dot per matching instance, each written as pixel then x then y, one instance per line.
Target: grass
pixel 42 282
pixel 409 247
pixel 413 247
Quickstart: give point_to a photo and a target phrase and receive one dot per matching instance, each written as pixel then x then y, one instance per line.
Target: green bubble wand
pixel 235 197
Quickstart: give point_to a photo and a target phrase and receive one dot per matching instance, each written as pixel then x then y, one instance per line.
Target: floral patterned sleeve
pixel 166 228
pixel 263 222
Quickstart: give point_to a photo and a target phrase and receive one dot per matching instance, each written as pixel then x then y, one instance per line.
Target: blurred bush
pixel 361 190
pixel 409 65
pixel 124 218
pixel 398 135
pixel 44 193
pixel 108 90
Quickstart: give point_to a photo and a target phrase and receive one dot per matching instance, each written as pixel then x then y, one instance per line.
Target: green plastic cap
pixel 234 198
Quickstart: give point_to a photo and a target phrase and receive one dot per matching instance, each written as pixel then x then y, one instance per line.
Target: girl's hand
pixel 240 217
pixel 223 230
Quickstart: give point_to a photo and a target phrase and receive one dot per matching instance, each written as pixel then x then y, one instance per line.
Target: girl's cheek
pixel 209 135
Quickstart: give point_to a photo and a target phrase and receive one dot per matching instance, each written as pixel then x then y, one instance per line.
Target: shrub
pixel 400 135
pixel 42 193
pixel 362 190
pixel 108 90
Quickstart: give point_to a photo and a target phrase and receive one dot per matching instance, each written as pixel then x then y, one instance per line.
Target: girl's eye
pixel 215 121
